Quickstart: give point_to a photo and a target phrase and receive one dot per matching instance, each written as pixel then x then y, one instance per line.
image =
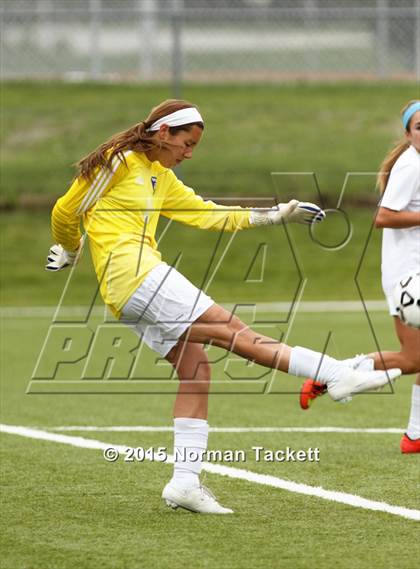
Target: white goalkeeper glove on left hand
pixel 291 212
pixel 58 258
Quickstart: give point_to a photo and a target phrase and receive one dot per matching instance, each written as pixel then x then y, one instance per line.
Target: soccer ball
pixel 407 300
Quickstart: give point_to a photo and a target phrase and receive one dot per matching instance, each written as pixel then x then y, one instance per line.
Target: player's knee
pixel 415 365
pixel 411 363
pixel 190 361
pixel 174 354
pixel 202 367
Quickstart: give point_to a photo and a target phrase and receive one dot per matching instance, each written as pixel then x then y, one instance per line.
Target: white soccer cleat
pixel 197 499
pixel 361 362
pixel 351 381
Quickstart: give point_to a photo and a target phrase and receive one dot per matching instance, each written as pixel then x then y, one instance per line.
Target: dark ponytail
pixel 136 138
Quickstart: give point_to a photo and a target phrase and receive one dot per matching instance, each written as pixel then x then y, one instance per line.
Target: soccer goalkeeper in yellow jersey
pixel 121 190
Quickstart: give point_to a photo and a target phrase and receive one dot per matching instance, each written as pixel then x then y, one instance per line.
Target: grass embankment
pixel 251 131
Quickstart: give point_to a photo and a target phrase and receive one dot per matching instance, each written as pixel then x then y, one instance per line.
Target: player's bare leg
pixel 219 327
pixel 193 369
pixel 408 360
pixel 190 431
pixel 225 330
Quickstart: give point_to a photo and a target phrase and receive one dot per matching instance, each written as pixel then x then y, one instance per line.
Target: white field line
pixel 238 473
pixel 162 429
pixel 304 306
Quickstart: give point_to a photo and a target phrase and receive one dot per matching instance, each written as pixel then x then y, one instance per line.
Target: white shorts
pixel 392 307
pixel 163 307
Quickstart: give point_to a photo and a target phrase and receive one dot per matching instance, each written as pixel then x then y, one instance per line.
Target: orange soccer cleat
pixel 310 390
pixel 408 445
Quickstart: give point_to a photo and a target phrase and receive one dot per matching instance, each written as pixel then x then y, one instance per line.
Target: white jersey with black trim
pixel 401 247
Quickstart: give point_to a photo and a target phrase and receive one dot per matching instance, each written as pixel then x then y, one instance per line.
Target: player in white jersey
pixel 399 217
pixel 131 174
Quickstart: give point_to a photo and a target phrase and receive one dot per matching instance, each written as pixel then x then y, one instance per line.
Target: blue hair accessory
pixel 409 113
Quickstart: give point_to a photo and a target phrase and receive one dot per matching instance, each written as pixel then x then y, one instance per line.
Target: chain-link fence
pixel 162 40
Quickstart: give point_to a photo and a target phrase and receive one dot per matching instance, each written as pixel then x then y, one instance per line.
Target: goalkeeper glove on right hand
pixel 291 212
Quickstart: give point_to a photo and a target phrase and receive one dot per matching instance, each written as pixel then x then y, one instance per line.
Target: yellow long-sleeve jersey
pixel 120 211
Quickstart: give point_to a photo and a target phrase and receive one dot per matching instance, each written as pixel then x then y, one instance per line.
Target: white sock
pixel 413 429
pixel 190 442
pixel 308 363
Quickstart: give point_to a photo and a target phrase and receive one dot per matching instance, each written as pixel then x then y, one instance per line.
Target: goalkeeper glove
pixel 291 212
pixel 58 258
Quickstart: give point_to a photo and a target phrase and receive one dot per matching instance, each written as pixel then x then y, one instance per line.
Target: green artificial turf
pixel 64 506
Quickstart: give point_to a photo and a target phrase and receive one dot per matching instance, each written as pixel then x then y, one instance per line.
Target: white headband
pixel 178 118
